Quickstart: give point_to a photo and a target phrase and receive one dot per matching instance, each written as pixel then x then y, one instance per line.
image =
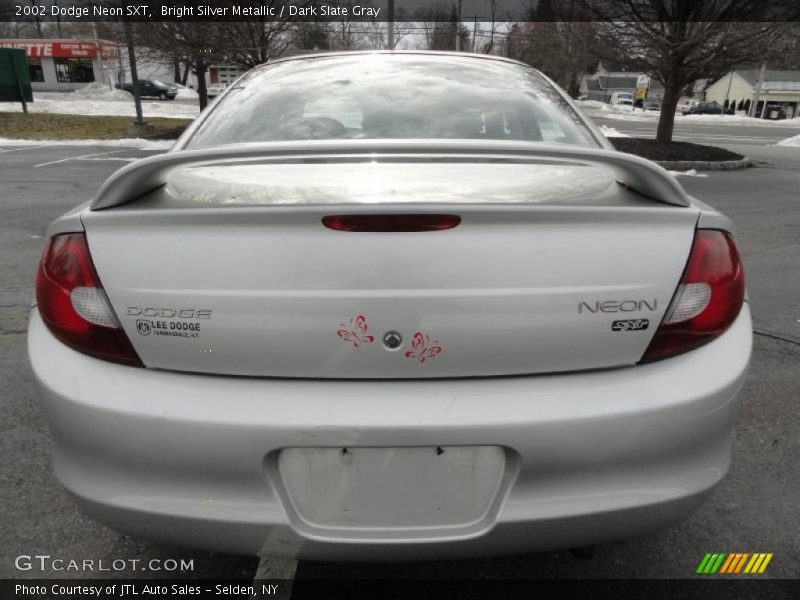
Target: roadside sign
pixel 15 79
pixel 643 82
pixel 65 48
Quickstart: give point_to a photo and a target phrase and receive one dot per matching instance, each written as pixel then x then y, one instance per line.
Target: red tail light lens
pixel 391 223
pixel 74 306
pixel 707 301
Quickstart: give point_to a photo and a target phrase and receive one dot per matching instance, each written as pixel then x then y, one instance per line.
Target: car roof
pixel 464 55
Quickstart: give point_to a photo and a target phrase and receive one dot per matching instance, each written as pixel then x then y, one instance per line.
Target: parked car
pixel 707 108
pixel 331 326
pixel 654 105
pixel 152 88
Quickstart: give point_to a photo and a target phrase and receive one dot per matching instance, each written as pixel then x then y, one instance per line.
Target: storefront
pixel 762 94
pixel 66 65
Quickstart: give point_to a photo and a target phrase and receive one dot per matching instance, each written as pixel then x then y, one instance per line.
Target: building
pixel 65 65
pixel 608 79
pixel 767 94
pixel 223 75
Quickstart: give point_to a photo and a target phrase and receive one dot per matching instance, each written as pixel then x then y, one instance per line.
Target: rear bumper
pixel 591 457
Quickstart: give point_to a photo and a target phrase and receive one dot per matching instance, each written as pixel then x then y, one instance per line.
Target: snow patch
pixel 592 104
pixel 689 173
pixel 610 132
pixel 185 93
pixel 136 143
pixel 739 119
pixel 792 141
pixel 98 91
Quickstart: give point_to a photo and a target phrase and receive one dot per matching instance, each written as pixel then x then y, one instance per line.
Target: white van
pixel 684 104
pixel 621 99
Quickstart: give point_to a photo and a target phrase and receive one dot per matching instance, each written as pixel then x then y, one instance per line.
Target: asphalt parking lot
pixel 756 509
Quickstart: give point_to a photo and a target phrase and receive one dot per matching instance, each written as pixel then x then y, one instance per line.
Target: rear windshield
pixel 385 96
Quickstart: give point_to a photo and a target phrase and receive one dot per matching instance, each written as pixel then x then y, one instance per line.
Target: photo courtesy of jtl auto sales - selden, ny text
pixel 400 299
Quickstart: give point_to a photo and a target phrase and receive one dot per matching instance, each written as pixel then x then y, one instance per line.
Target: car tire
pixel 162 96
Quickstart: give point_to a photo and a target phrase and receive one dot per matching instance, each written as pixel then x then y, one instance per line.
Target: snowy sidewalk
pixel 97 100
pixel 9 145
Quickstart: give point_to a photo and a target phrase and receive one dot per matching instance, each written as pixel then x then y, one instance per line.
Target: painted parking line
pixel 680 135
pixel 62 160
pixel 282 569
pixel 118 158
pixel 18 149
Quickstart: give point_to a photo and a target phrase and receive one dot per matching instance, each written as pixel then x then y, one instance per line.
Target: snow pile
pixel 689 173
pixel 592 104
pixel 622 113
pixel 136 143
pixel 610 132
pixel 98 91
pixel 792 141
pixel 185 93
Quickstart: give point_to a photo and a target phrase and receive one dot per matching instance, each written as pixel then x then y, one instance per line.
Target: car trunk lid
pixel 229 269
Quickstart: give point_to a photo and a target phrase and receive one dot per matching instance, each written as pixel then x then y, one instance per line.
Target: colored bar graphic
pixel 732 560
pixel 718 564
pixel 733 563
pixel 703 563
pixel 765 563
pixel 741 563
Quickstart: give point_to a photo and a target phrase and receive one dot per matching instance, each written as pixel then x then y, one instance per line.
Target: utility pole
pixel 728 93
pixel 458 26
pixel 58 20
pixel 390 33
pixel 474 30
pixel 759 85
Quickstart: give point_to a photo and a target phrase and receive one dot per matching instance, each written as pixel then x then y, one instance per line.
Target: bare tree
pixel 494 13
pixel 311 35
pixel 252 41
pixel 196 44
pixel 346 34
pixel 560 50
pixel 678 41
pixel 430 19
pixel 387 35
pixel 442 27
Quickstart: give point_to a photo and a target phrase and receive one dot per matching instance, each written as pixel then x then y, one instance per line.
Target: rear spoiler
pixel 149 174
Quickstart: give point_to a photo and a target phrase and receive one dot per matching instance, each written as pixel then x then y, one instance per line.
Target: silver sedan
pixel 390 305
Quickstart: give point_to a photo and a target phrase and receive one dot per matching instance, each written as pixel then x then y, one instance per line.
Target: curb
pixel 705 165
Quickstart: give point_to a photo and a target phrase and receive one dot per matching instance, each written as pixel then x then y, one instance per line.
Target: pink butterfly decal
pixel 355 332
pixel 423 347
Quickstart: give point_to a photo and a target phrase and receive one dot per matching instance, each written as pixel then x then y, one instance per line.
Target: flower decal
pixel 355 332
pixel 423 348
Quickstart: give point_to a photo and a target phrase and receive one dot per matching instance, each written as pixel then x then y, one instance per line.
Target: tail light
pixel 74 306
pixel 707 301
